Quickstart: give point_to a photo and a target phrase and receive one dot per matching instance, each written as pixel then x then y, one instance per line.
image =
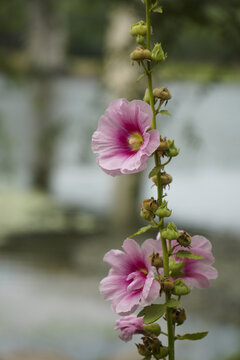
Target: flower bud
pixel 163 210
pixel 150 204
pixel 152 329
pixel 147 96
pixel 140 54
pixel 175 267
pixel 156 260
pixel 180 316
pixel 172 150
pixel 140 28
pixel 184 239
pixel 168 285
pixel 162 353
pixel 163 145
pixel 152 343
pixel 170 232
pixel 180 288
pixel 140 40
pixel 147 215
pixel 142 350
pixel 162 93
pixel 158 53
pixel 166 178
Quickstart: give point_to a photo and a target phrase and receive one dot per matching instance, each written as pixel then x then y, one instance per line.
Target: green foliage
pixel 142 230
pixel 165 112
pixel 182 254
pixel 173 303
pixel 152 313
pixel 155 171
pixel 194 336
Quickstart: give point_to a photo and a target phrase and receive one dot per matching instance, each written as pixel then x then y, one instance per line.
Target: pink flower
pixel 122 139
pixel 130 281
pixel 195 272
pixel 129 325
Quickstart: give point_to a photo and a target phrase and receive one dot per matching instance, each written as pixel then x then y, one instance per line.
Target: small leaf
pixel 173 303
pixel 182 254
pixel 158 9
pixel 165 112
pixel 142 230
pixel 194 336
pixel 155 171
pixel 141 76
pixel 152 313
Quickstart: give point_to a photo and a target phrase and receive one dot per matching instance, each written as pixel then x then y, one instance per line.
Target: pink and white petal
pixel 151 142
pixel 111 164
pixel 128 303
pixel 118 260
pixel 153 293
pixel 196 280
pixel 152 245
pixel 134 163
pixel 111 286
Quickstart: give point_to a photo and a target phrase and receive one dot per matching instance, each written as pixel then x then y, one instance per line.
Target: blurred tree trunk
pixel 120 77
pixel 46 45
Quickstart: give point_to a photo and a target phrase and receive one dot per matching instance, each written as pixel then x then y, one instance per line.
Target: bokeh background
pixel 61 63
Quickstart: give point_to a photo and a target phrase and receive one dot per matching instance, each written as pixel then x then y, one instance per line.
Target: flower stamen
pixel 135 141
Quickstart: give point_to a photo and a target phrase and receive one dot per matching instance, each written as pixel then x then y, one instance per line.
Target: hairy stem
pixel 159 186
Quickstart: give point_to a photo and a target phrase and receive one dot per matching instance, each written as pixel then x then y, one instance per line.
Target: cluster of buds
pixel 162 94
pixel 152 346
pixel 167 148
pixel 150 209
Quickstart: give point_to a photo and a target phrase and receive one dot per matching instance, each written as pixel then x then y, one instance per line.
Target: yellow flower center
pixel 135 141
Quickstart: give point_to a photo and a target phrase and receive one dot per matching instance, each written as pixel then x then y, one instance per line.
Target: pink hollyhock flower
pixel 129 325
pixel 195 272
pixel 130 281
pixel 122 139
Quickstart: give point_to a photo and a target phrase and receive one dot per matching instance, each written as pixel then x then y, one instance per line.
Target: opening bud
pixel 147 215
pixel 152 343
pixel 180 288
pixel 156 260
pixel 140 54
pixel 184 239
pixel 170 232
pixel 158 53
pixel 140 40
pixel 162 93
pixel 163 210
pixel 147 96
pixel 140 28
pixel 163 147
pixel 152 329
pixel 172 150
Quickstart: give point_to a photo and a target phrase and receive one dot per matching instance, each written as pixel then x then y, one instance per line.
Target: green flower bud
pixel 163 210
pixel 163 353
pixel 140 40
pixel 158 53
pixel 152 329
pixel 175 268
pixel 147 96
pixel 172 150
pixel 180 288
pixel 140 28
pixel 170 232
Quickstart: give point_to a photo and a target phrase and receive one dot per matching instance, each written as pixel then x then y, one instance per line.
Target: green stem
pixel 159 186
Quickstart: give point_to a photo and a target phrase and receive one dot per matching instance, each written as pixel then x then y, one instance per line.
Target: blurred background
pixel 61 63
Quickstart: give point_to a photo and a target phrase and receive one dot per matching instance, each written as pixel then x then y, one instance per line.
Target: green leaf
pixel 158 10
pixel 165 112
pixel 155 171
pixel 182 254
pixel 141 76
pixel 194 336
pixel 173 303
pixel 152 313
pixel 142 230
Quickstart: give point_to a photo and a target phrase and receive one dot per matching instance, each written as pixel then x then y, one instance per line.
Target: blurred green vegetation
pixel 190 30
